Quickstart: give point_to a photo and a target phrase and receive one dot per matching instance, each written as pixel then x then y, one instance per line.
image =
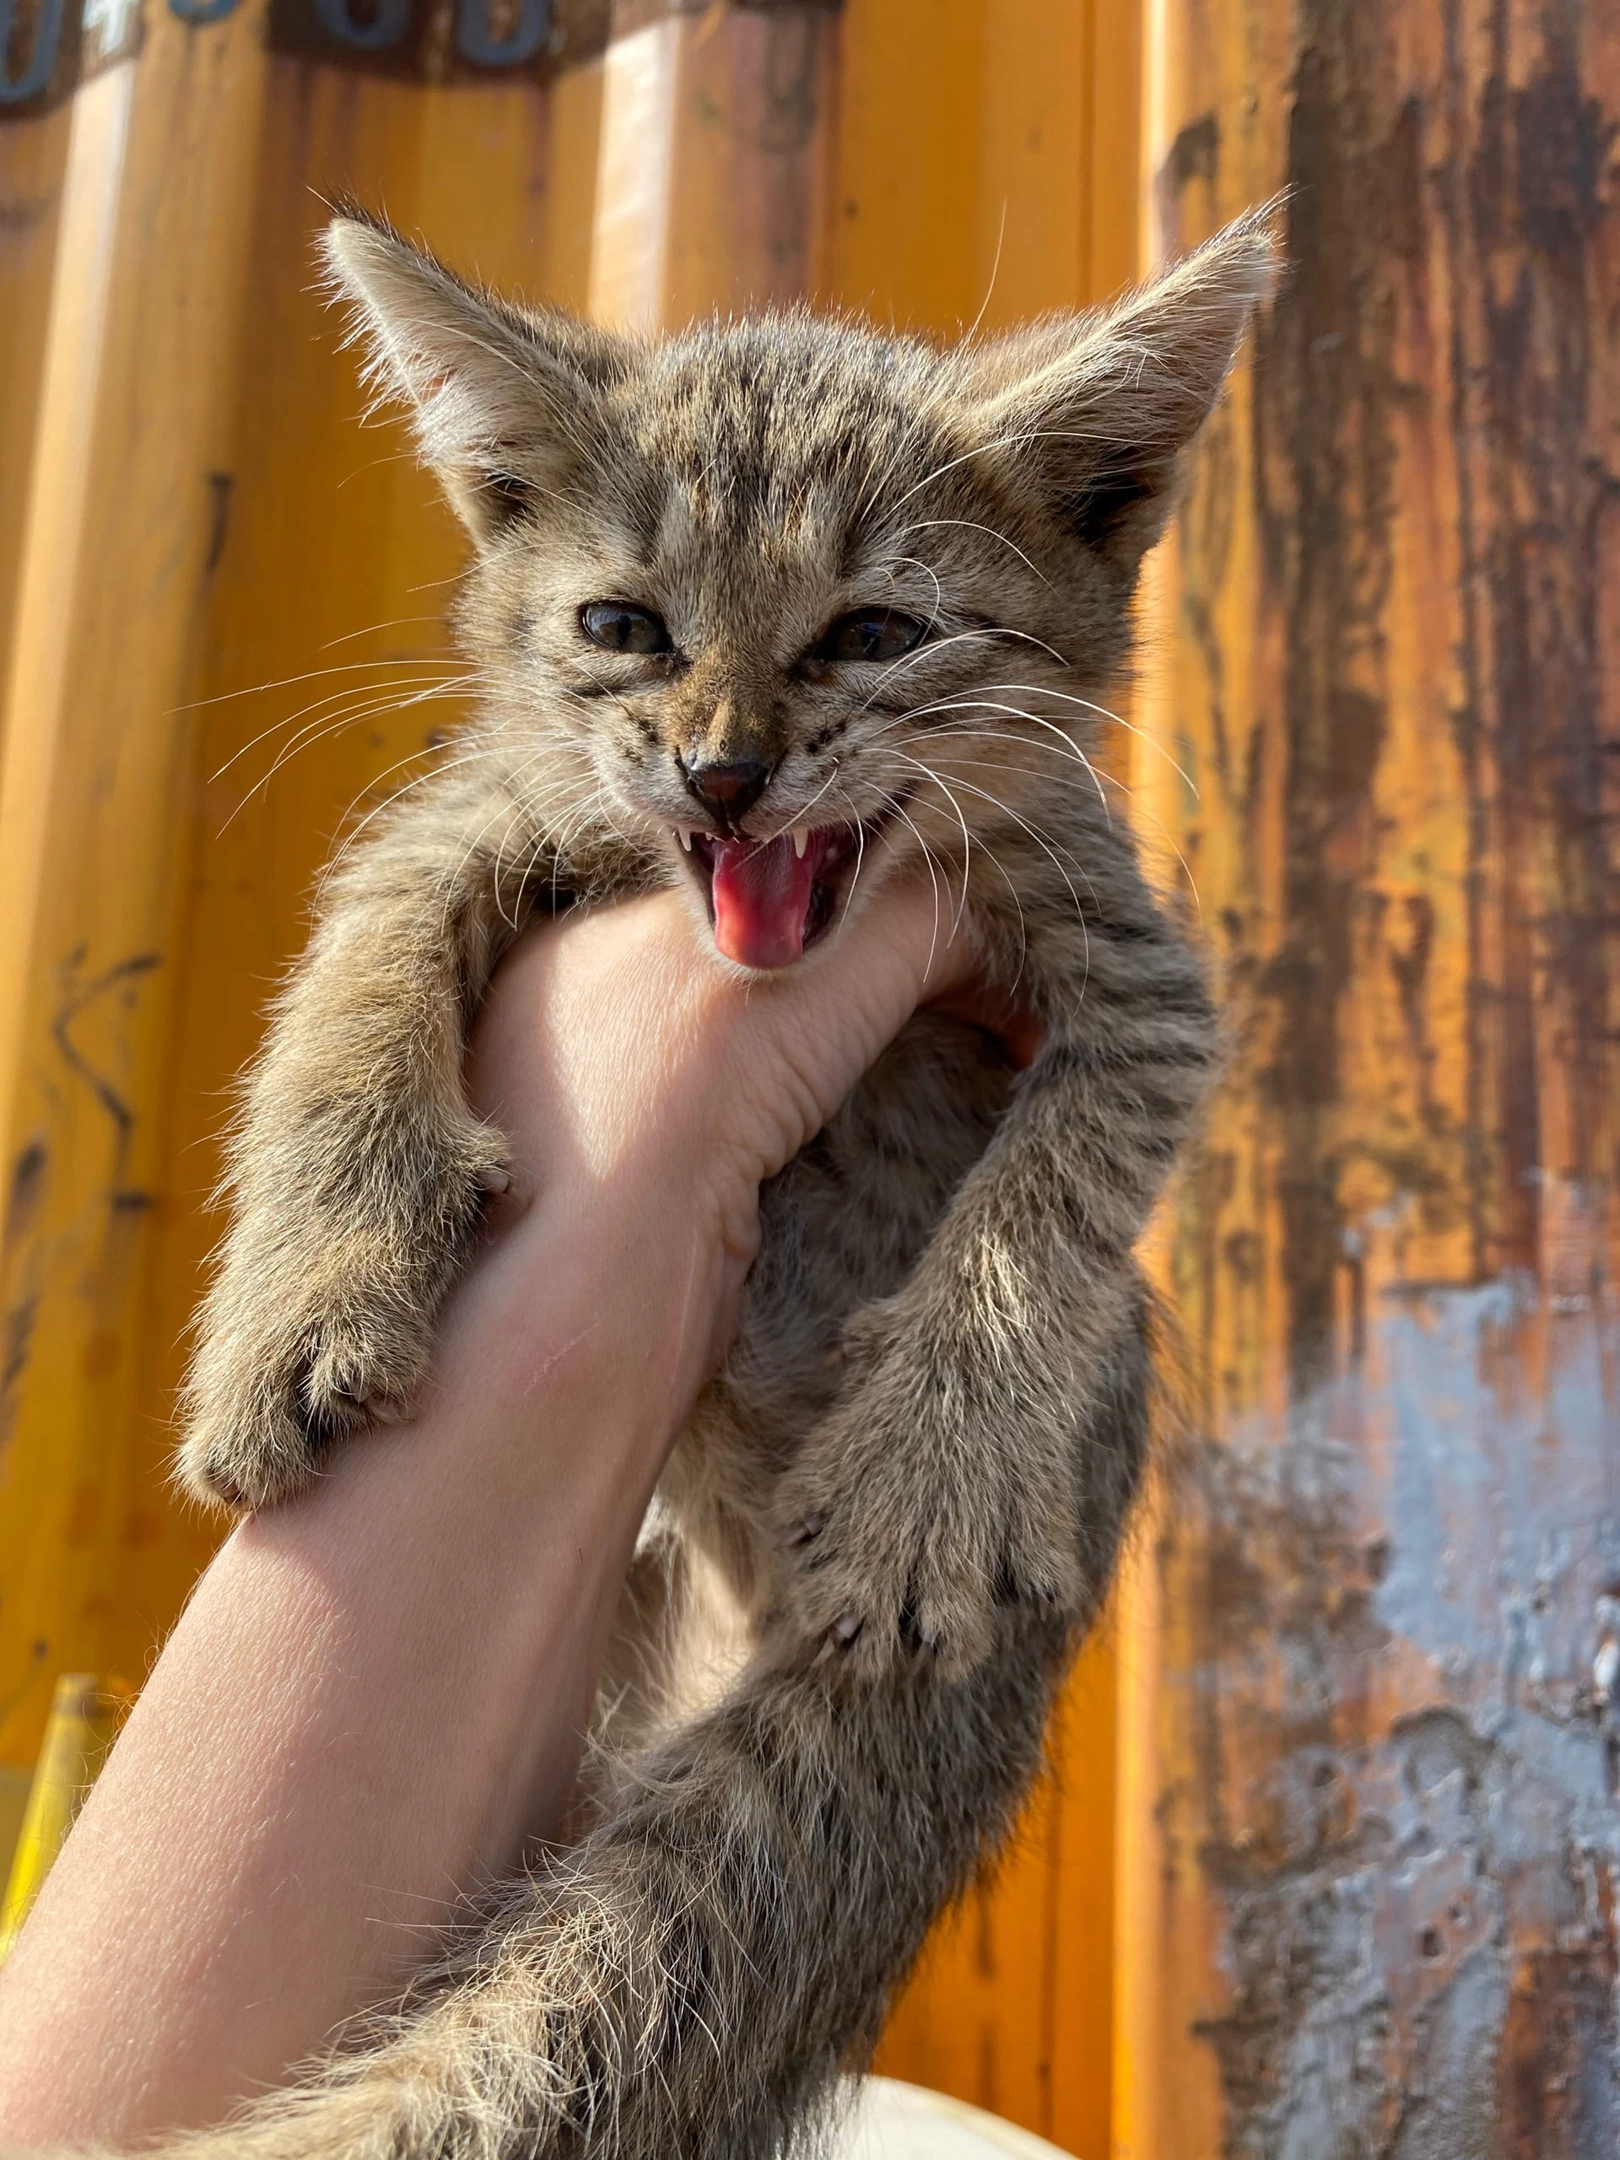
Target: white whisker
pixel 364 694
pixel 989 531
pixel 897 809
pixel 1040 841
pixel 308 737
pixel 343 667
pixel 801 815
pixel 1103 712
pixel 977 734
pixel 397 622
pixel 472 756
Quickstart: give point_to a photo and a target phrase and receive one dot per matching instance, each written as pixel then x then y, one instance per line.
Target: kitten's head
pixel 788 599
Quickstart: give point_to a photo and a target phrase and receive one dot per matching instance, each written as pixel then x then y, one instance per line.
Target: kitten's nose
pixel 729 789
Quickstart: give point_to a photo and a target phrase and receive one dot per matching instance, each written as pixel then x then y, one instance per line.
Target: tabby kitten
pixel 773 611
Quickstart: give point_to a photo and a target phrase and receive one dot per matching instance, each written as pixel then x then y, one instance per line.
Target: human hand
pixel 646 1093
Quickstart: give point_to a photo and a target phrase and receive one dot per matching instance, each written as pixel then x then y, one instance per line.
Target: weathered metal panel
pixel 113 534
pixel 1378 1841
pixel 1002 182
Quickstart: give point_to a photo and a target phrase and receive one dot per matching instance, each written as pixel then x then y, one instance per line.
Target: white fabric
pixel 891 2121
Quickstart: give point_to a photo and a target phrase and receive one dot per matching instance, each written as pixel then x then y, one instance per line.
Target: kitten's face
pixel 790 602
pixel 771 623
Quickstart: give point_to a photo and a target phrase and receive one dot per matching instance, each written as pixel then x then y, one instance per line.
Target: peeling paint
pixel 1407 1784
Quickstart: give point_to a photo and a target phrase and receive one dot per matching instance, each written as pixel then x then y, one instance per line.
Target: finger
pixel 1015 1024
pixel 850 1005
pixel 943 972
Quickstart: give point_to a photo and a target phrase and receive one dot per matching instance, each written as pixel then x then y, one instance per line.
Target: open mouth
pixel 770 900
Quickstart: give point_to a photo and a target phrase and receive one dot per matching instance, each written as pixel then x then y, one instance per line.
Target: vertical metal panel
pixel 31 166
pixel 1002 183
pixel 713 169
pixel 629 258
pixel 1376 1834
pixel 232 527
pixel 750 170
pixel 905 221
pixel 335 565
pixel 33 158
pixel 118 521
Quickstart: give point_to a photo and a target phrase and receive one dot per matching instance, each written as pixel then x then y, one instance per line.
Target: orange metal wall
pixel 189 508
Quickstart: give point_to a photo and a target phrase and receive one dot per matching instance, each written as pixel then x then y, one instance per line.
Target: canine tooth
pixel 801 840
pixel 685 832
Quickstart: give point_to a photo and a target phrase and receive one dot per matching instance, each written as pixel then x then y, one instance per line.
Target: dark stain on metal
pixel 468 41
pixel 78 996
pixel 21 214
pixel 1194 158
pixel 1553 499
pixel 16 1334
pixel 28 1176
pixel 1325 479
pixel 1522 214
pixel 220 485
pixel 1409 964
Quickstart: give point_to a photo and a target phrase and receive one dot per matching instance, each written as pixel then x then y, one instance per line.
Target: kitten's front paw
pixel 320 1320
pixel 902 1536
pixel 268 1394
pixel 284 1374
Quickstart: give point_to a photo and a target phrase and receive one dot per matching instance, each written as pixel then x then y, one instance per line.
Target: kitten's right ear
pixel 504 402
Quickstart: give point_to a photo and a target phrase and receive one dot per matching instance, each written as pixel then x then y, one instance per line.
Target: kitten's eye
pixel 621 626
pixel 870 634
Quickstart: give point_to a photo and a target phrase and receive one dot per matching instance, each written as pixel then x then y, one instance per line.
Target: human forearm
pixel 375 1695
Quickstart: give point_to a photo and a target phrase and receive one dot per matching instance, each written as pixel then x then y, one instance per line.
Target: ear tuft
pixel 1094 411
pixel 503 402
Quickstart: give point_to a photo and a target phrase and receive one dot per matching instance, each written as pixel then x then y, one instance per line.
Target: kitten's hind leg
pixel 357 1169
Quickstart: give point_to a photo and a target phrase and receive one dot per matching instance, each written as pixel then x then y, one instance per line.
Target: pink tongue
pixel 761 899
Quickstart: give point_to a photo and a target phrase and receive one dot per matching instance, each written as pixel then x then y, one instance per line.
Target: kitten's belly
pixel 843 1225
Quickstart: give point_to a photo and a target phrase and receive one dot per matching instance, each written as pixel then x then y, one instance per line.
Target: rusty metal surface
pixel 434 41
pixel 1386 1819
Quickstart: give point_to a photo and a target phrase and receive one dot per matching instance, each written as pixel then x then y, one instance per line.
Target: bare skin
pixel 376 1696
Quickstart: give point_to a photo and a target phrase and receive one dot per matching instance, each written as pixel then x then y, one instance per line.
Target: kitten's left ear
pixel 504 400
pixel 1092 414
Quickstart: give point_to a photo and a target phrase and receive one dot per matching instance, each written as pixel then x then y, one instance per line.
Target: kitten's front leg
pixel 946 1480
pixel 357 1170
